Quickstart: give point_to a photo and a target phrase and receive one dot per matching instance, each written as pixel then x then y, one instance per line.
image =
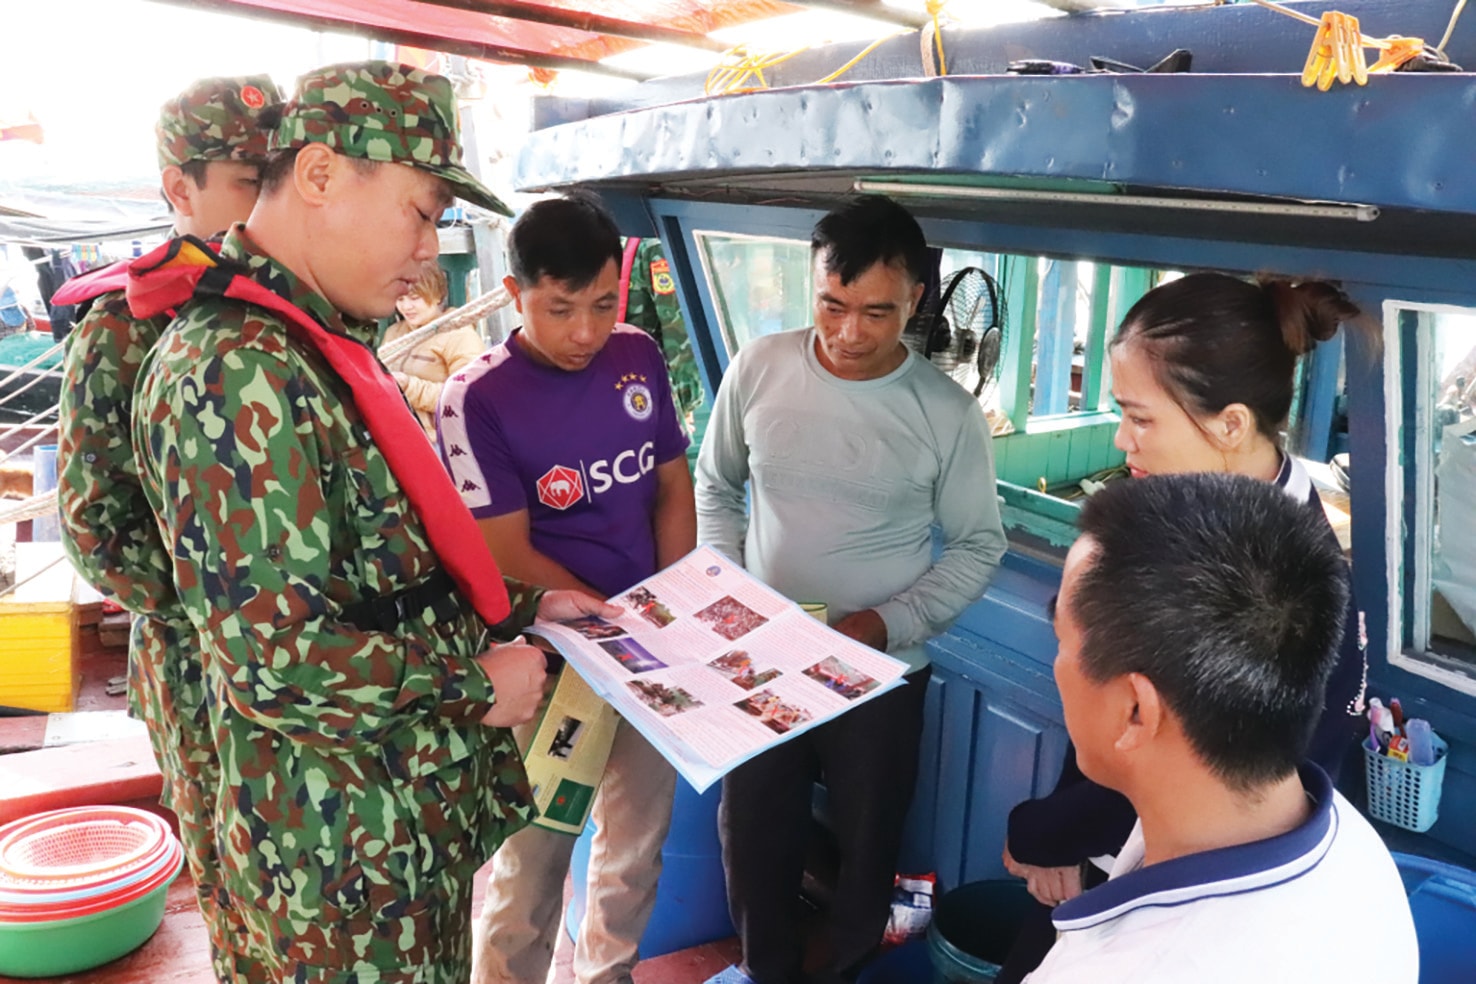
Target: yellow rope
pixel 850 64
pixel 935 8
pixel 738 65
pixel 741 69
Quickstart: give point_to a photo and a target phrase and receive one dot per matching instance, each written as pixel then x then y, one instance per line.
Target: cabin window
pixel 1435 436
pixel 758 285
pixel 1056 421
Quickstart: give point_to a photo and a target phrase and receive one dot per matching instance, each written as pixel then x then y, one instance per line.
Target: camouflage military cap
pixel 381 111
pixel 216 120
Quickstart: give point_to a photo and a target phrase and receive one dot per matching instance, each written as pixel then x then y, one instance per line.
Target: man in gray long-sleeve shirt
pixel 854 451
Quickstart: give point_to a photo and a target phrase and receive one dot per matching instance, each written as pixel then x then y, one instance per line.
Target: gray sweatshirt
pixel 850 483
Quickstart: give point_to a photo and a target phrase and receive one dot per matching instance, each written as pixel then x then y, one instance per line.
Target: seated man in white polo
pixel 1198 619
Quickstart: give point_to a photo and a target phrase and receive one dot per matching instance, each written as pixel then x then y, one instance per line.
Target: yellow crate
pixel 39 640
pixel 38 655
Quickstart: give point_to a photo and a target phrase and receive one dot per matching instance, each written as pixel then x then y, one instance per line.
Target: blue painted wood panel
pixel 993 734
pixel 1055 333
pixel 988 743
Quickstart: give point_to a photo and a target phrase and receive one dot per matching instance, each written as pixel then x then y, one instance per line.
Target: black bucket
pixel 974 927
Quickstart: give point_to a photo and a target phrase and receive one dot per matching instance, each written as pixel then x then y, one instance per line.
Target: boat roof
pixel 1246 132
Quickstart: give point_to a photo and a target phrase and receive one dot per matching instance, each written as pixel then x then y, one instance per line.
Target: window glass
pixel 758 285
pixel 1449 408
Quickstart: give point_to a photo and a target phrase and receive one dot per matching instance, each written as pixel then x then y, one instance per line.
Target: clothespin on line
pixel 1400 50
pixel 1337 49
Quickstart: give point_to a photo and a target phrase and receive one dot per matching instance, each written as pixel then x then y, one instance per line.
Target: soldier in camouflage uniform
pixel 360 720
pixel 651 305
pixel 210 152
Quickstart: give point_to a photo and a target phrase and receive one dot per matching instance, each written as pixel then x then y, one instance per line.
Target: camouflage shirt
pixel 109 532
pixel 651 305
pixel 108 528
pixel 355 772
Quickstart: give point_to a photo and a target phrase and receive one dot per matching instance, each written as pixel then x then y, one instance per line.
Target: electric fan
pixel 966 331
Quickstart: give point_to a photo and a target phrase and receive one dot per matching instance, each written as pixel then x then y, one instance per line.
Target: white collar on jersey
pixel 1293 478
pixel 1214 874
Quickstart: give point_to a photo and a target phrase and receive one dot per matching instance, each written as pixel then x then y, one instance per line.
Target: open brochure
pixel 714 667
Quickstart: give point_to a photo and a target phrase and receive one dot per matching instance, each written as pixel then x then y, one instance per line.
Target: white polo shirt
pixel 1322 903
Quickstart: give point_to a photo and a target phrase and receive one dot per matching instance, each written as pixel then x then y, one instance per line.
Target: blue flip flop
pixel 731 974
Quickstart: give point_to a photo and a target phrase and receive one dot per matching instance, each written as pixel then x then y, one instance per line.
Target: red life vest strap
pixel 186 267
pixel 94 283
pixel 627 266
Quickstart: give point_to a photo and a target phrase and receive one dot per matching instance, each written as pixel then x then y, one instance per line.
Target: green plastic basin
pixel 67 946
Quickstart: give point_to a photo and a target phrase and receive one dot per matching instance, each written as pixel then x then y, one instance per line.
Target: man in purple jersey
pixel 565 444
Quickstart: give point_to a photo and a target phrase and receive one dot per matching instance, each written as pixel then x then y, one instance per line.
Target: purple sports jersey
pixel 578 450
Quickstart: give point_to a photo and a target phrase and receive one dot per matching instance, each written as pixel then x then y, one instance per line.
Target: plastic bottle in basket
pixel 1421 742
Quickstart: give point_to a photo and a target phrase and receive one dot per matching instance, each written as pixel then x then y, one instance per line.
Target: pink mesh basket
pixel 46 910
pixel 83 845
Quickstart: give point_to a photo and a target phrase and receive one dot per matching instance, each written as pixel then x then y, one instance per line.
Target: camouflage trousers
pixel 166 691
pixel 432 946
pixel 358 860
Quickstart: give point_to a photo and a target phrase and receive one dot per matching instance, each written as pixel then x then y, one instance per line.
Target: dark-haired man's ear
pixel 179 189
pixel 510 284
pixel 1146 717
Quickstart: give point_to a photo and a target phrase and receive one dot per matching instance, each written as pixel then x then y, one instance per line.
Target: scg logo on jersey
pixel 627 468
pixel 562 486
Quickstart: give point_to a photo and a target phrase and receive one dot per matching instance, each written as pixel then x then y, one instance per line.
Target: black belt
pixel 388 612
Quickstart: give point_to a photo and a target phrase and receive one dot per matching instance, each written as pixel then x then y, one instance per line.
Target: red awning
pixel 517 32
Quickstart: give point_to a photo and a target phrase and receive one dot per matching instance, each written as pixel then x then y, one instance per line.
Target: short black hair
pixel 197 171
pixel 867 230
pixel 274 171
pixel 1228 595
pixel 279 164
pixel 568 239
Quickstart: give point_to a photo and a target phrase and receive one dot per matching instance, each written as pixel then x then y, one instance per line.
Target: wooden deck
pixel 179 953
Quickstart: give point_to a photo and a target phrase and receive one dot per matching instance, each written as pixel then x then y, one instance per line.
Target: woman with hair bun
pixel 1203 369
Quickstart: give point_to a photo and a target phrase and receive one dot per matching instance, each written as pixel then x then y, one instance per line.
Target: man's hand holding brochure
pixel 713 667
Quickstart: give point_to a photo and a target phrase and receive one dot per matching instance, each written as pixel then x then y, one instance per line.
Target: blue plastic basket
pixel 1403 794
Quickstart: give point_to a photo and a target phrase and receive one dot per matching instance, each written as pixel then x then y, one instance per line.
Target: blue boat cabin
pixel 1074 195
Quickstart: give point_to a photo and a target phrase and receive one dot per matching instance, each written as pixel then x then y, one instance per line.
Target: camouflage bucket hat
pixel 381 111
pixel 216 119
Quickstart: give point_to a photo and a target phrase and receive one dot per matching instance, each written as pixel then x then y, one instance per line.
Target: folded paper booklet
pixel 566 756
pixel 714 667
